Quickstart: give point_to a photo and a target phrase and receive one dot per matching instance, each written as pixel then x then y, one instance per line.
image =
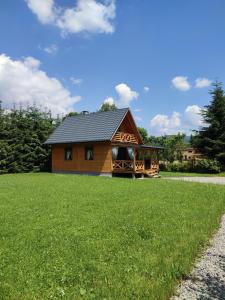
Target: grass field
pixel 183 174
pixel 74 237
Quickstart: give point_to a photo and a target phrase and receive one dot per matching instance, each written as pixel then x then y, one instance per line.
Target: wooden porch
pixel 144 161
pixel 137 167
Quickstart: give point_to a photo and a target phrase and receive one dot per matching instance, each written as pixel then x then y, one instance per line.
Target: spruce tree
pixel 22 134
pixel 211 138
pixel 5 151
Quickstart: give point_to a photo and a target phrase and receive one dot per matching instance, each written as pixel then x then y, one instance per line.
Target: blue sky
pixel 158 57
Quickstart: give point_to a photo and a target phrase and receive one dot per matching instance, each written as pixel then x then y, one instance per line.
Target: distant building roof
pixel 99 126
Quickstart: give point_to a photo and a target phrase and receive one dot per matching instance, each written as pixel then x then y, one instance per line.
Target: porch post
pixel 134 158
pixel 143 157
pixel 150 155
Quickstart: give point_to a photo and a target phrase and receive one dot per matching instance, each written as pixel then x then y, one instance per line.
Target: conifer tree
pixel 4 147
pixel 22 134
pixel 211 138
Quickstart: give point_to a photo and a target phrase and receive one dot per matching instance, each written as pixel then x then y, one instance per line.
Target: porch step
pixel 152 174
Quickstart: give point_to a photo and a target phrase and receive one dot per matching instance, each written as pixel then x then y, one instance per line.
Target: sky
pixel 157 57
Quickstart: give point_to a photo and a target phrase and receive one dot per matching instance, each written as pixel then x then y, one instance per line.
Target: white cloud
pixel 52 49
pixel 138 119
pixel 22 81
pixel 87 16
pixel 189 120
pixel 109 101
pixel 76 81
pixel 137 110
pixel 45 11
pixel 146 89
pixel 126 95
pixel 193 115
pixel 30 62
pixel 202 83
pixel 163 124
pixel 181 83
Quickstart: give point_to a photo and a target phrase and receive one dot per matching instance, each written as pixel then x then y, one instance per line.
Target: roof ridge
pixel 98 112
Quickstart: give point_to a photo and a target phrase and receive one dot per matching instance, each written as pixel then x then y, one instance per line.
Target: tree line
pixel 23 132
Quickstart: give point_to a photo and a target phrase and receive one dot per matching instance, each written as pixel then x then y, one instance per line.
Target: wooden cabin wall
pixel 102 162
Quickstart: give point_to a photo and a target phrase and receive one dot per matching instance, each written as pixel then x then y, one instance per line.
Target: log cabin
pixel 102 143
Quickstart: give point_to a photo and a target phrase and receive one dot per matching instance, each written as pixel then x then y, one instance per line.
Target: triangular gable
pixel 127 131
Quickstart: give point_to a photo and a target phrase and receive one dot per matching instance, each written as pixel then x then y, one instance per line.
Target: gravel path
pixel 215 180
pixel 207 280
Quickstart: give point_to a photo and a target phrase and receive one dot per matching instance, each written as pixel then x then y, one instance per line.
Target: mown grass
pixel 74 237
pixel 185 174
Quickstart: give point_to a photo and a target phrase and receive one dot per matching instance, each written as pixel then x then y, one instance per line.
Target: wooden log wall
pixel 102 161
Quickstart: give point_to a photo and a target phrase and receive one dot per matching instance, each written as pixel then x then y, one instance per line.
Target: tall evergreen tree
pixel 22 134
pixel 211 138
pixel 5 152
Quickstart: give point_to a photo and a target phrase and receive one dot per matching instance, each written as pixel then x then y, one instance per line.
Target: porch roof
pixel 151 147
pixel 120 144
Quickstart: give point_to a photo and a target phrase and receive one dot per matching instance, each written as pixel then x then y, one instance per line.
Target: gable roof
pixel 99 126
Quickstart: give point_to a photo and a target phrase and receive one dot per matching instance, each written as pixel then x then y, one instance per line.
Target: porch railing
pixel 155 164
pixel 128 165
pixel 123 165
pixel 139 165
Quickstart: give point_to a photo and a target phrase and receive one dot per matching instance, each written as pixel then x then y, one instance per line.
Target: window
pixel 68 154
pixel 89 153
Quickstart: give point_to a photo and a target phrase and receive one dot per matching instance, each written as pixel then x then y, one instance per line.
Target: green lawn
pixel 183 174
pixel 74 237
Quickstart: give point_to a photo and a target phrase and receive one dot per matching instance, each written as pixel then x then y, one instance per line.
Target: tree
pixel 173 146
pixel 5 151
pixel 22 134
pixel 107 107
pixel 210 139
pixel 72 114
pixel 144 134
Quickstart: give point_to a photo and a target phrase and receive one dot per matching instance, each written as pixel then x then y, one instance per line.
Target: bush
pixel 199 166
pixel 207 166
pixel 178 167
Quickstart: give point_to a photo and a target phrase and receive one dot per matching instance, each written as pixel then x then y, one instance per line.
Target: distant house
pixel 191 154
pixel 102 143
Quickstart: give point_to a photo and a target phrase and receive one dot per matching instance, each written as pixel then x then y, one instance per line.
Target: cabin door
pixel 147 163
pixel 123 154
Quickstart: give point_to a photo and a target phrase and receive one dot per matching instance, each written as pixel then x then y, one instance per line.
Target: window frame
pixel 90 147
pixel 65 153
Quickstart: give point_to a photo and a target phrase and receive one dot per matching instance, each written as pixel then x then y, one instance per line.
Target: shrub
pixel 199 166
pixel 207 166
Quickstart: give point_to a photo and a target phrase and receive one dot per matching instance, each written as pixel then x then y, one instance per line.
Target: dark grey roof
pixel 99 126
